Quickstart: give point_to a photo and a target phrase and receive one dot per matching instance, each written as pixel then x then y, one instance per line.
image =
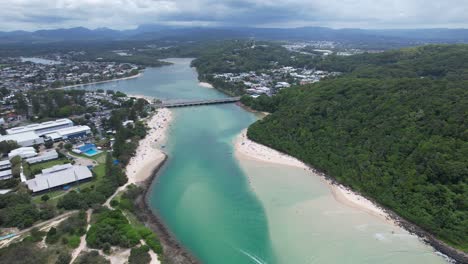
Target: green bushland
pixel 18 210
pixel 111 228
pixel 393 127
pixel 91 257
pixel 139 255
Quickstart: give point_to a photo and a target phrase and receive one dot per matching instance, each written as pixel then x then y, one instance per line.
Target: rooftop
pixel 35 127
pixel 57 176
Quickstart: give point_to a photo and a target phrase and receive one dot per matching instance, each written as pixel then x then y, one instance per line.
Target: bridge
pixel 197 102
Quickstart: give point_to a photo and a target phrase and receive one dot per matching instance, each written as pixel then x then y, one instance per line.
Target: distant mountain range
pixel 158 32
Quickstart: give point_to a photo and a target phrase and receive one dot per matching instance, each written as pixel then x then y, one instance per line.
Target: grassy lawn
pixel 99 171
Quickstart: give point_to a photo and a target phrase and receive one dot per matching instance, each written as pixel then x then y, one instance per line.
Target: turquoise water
pixel 278 214
pixel 89 150
pixel 202 194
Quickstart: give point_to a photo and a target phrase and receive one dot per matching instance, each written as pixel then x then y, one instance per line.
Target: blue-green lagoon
pixel 233 211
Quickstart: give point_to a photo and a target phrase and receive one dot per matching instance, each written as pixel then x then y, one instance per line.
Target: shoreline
pixel 205 85
pixel 142 170
pixel 249 149
pixel 148 154
pixel 246 148
pixel 172 248
pixel 99 82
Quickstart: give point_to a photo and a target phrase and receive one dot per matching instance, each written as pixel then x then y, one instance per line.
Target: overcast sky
pixel 126 14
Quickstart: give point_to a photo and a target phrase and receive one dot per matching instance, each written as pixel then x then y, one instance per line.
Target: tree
pixel 7 146
pixel 63 258
pixel 45 198
pixel 139 255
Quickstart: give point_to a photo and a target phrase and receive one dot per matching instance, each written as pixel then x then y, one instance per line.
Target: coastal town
pixel 23 74
pixel 77 144
pixel 269 82
pixel 83 168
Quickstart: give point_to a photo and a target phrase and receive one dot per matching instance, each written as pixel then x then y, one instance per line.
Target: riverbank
pixel 148 155
pixel 106 81
pixel 247 149
pixel 142 170
pixel 173 251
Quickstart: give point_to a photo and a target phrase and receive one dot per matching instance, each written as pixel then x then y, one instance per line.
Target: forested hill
pixel 401 138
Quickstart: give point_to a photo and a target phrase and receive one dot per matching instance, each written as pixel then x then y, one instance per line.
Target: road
pixel 41 226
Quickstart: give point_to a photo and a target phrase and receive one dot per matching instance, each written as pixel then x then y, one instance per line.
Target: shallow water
pixel 278 214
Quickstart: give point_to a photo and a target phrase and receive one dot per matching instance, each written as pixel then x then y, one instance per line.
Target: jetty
pixel 196 102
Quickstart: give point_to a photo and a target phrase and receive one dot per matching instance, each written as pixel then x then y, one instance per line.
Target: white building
pixel 69 133
pixel 25 139
pixel 5 164
pixel 7 174
pixel 58 176
pixel 25 152
pixel 45 156
pixel 42 128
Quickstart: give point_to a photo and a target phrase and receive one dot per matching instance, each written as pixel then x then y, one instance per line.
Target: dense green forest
pixel 393 128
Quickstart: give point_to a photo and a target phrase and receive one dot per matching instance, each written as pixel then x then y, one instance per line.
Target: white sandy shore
pixel 147 158
pixel 205 84
pixel 148 154
pixel 246 148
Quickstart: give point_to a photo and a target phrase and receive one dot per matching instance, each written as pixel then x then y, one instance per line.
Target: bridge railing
pixel 197 102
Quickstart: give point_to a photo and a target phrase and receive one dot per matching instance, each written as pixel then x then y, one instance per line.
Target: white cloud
pixel 38 14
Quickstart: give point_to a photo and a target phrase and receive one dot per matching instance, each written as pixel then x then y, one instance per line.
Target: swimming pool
pixel 89 150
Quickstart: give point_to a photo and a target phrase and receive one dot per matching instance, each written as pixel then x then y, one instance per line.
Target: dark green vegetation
pixel 18 210
pixel 126 203
pixel 69 231
pixel 111 229
pixel 139 255
pixel 29 252
pixel 91 257
pixel 393 128
pixel 54 104
pixel 127 137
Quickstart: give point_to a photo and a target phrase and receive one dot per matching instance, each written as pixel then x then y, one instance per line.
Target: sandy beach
pixel 148 154
pixel 141 166
pixel 249 149
pixel 205 84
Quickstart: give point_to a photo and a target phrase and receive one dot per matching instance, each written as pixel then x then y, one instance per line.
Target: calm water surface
pixel 279 215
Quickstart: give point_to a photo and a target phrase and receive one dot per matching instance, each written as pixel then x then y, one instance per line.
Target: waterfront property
pixel 58 176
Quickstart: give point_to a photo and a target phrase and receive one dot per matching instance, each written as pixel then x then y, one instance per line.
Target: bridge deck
pixel 198 102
